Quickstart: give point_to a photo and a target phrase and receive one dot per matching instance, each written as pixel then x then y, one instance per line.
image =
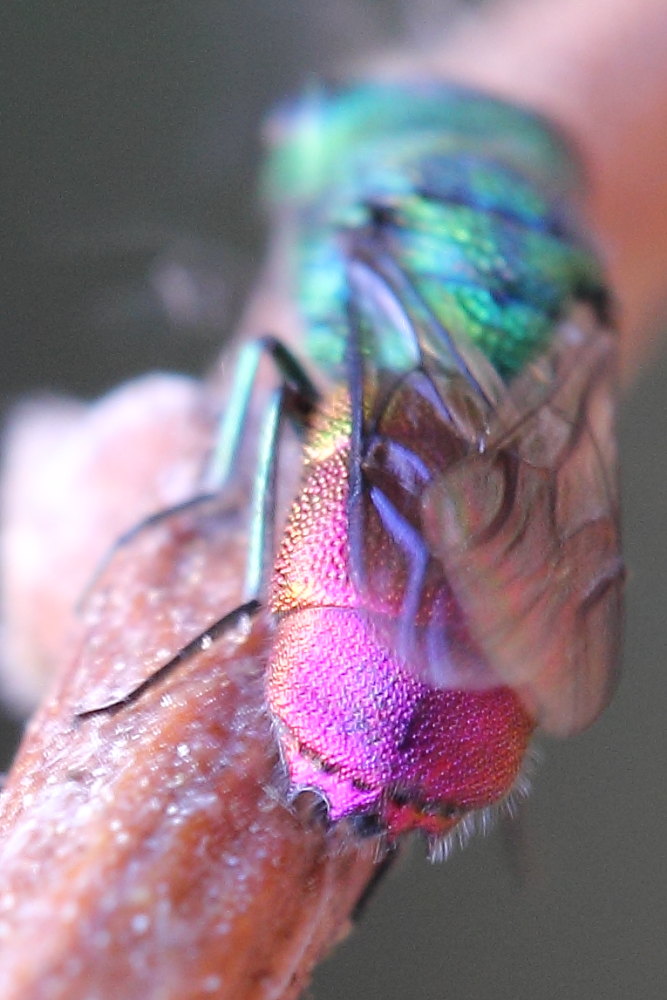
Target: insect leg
pixel 262 520
pixel 303 396
pixel 196 645
pixel 293 399
pixel 151 521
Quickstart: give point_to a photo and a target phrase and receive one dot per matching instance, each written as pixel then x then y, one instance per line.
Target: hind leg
pixel 293 399
pixel 298 398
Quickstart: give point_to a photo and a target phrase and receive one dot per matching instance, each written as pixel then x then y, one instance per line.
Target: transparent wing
pixel 484 522
pixel 528 538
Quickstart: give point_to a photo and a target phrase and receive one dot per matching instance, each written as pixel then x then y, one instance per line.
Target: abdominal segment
pixel 365 733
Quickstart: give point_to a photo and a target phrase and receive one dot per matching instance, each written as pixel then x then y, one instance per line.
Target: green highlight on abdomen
pixel 474 195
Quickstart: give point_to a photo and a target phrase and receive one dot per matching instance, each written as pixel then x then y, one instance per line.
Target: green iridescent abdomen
pixel 439 174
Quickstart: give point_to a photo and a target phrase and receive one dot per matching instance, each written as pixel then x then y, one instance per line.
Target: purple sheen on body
pixel 360 729
pixel 357 722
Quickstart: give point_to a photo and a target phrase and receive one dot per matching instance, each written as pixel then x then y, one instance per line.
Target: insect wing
pixel 484 522
pixel 528 533
pixel 410 422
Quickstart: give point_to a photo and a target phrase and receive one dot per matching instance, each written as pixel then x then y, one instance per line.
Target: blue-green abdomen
pixel 483 238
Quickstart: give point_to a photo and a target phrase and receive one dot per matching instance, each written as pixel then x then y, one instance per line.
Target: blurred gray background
pixel 130 148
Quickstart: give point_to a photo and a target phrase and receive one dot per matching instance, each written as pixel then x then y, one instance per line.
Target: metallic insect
pixel 448 578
